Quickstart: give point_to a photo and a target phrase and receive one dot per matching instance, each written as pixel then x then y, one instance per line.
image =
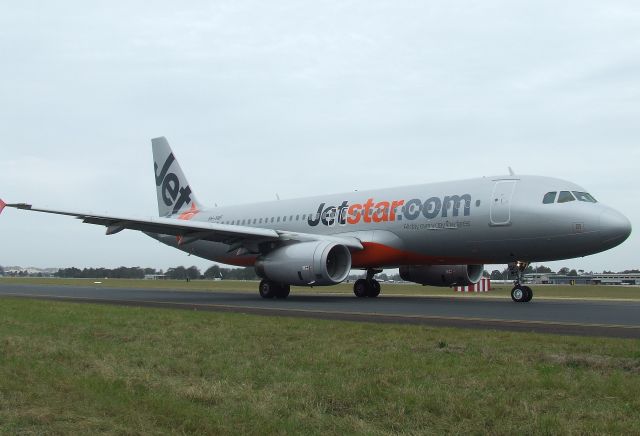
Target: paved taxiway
pixel 598 318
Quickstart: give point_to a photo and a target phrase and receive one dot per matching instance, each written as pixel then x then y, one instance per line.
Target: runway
pixel 593 318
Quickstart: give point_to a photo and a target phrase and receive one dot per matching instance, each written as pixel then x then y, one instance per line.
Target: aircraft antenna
pixel 511 173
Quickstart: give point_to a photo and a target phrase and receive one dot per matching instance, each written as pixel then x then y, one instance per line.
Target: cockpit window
pixel 549 197
pixel 565 197
pixel 584 196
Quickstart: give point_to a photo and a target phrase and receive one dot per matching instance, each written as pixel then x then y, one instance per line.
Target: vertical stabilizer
pixel 175 196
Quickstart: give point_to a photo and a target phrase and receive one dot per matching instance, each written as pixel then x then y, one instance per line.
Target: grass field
pixel 503 291
pixel 81 369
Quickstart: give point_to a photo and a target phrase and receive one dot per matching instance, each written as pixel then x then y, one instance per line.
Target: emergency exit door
pixel 501 198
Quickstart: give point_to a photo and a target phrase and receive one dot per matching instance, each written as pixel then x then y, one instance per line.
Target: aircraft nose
pixel 615 227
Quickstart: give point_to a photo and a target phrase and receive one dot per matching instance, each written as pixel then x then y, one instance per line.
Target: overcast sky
pixel 304 98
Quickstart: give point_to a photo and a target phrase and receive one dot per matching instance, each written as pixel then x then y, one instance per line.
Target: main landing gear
pixel 520 293
pixel 368 287
pixel 270 289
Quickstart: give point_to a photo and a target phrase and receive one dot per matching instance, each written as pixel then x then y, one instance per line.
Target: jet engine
pixel 442 275
pixel 317 263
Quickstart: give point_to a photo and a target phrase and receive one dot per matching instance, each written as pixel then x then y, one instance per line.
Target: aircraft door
pixel 500 210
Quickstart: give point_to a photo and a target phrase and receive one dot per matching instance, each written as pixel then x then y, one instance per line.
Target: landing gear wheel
pixel 528 293
pixel 283 291
pixel 361 288
pixel 267 288
pixel 518 294
pixel 374 288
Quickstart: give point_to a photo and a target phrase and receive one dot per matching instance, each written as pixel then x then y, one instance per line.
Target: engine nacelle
pixel 442 275
pixel 317 263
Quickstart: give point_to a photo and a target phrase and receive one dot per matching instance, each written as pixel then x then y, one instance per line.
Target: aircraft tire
pixel 361 288
pixel 518 294
pixel 283 291
pixel 528 293
pixel 267 288
pixel 373 288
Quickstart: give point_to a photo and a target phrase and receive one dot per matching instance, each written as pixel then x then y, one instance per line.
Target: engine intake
pixel 317 263
pixel 442 275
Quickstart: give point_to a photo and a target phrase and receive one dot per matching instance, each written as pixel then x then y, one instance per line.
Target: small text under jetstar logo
pixel 172 192
pixel 394 210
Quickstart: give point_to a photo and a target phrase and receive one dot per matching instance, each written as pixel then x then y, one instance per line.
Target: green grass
pixel 81 369
pixel 503 291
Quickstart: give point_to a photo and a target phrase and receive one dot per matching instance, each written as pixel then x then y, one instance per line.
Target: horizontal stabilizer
pixel 2 205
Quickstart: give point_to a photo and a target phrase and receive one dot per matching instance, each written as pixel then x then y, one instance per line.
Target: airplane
pixel 438 234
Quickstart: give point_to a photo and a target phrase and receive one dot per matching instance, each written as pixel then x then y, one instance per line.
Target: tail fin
pixel 174 193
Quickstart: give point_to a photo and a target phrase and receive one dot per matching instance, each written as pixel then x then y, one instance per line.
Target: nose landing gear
pixel 520 293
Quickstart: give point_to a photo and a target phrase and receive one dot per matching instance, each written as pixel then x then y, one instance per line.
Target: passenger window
pixel 297 217
pixel 584 196
pixel 291 218
pixel 254 220
pixel 271 219
pixel 278 219
pixel 549 197
pixel 565 197
pixel 260 221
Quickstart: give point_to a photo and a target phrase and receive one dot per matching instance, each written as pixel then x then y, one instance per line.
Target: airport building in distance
pixel 584 279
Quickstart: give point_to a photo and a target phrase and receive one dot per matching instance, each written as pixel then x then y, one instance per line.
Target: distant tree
pixel 627 271
pixel 177 273
pixel 506 275
pixel 382 277
pixel 69 273
pixel 496 275
pixel 150 271
pixel 564 271
pixel 529 270
pixel 573 273
pixel 486 274
pixel 213 272
pixel 193 273
pixel 1 270
pixel 543 269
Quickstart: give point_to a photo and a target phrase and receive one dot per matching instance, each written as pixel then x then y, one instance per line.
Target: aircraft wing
pixel 190 231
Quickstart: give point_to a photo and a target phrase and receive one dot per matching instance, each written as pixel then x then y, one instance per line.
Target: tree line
pixel 175 273
pixel 217 272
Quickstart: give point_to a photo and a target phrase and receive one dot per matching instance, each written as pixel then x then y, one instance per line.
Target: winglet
pixel 2 205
